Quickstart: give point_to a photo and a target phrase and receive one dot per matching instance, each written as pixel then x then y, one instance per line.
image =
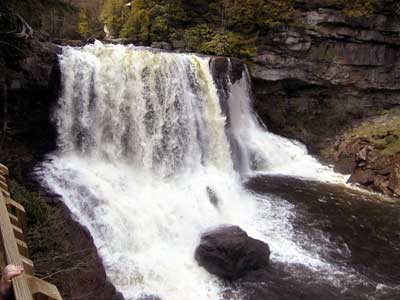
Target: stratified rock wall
pixel 324 75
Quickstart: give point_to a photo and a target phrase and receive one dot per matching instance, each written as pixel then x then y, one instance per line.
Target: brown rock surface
pixel 319 79
pixel 373 150
pixel 29 84
pixel 314 80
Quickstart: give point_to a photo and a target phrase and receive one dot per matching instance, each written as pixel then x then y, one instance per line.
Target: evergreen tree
pixel 113 15
pixel 89 23
pixel 84 23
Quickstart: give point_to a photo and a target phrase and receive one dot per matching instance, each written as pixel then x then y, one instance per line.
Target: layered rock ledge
pixel 318 79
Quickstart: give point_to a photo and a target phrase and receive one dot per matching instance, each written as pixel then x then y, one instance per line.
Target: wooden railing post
pixel 15 249
pixel 11 251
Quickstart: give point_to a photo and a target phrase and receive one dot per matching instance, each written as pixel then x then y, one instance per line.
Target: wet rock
pixel 382 165
pixel 162 45
pixel 230 253
pixel 345 165
pixel 74 43
pixel 381 184
pixel 212 196
pixel 362 155
pixel 394 181
pixel 364 177
pixel 177 44
pixel 149 297
pixel 379 172
pixel 224 69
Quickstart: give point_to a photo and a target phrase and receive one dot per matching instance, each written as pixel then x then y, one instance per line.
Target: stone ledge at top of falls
pixel 32 64
pixel 36 66
pixel 230 253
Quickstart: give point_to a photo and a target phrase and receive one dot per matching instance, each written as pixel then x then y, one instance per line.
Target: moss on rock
pixel 382 131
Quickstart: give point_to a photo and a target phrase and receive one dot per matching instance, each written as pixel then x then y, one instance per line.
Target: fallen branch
pixel 21 27
pixel 26 31
pixel 80 266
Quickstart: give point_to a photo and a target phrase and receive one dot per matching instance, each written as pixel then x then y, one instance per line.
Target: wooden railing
pixel 14 249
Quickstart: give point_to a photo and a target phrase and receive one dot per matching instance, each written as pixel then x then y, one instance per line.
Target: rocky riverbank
pixel 371 152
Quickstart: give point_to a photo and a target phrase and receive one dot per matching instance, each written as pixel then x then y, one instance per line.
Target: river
pixel 150 155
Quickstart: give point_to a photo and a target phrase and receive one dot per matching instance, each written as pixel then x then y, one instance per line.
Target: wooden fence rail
pixel 14 249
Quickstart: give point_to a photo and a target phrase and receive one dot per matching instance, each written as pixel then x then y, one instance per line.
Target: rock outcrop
pixel 149 297
pixel 29 80
pixel 324 75
pixel 371 153
pixel 29 85
pixel 313 80
pixel 230 253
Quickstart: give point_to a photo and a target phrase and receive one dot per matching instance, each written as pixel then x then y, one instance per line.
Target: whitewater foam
pixel 142 139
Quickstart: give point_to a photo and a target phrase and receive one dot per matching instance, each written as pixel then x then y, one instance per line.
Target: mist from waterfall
pixel 144 145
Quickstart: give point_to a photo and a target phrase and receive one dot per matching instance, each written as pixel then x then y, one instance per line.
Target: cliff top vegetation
pixel 218 27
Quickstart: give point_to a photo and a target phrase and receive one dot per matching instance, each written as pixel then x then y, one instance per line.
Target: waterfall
pixel 144 144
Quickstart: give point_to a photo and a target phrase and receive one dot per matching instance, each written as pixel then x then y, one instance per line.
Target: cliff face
pixel 29 86
pixel 315 81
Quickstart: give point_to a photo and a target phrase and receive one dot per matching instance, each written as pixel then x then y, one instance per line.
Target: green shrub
pixel 227 43
pixel 251 15
pixel 219 42
pixel 137 26
pixel 197 35
pixel 37 211
pixel 160 29
pixel 275 13
pixel 89 23
pixel 360 8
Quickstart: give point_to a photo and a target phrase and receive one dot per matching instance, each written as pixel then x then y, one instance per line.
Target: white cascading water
pixel 142 142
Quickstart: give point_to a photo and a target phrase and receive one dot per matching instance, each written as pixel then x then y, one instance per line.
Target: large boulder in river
pixel 149 297
pixel 230 253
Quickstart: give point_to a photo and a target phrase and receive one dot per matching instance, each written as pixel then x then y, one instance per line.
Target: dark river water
pixel 357 232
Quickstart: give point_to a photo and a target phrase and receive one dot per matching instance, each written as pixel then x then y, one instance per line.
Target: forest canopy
pixel 221 27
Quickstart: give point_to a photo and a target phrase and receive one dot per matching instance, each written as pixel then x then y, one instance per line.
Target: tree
pixel 84 23
pixel 251 15
pixel 154 20
pixel 88 22
pixel 137 26
pixel 113 15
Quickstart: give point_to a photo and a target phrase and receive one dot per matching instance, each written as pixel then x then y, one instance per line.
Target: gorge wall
pixel 329 73
pixel 62 250
pixel 313 81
